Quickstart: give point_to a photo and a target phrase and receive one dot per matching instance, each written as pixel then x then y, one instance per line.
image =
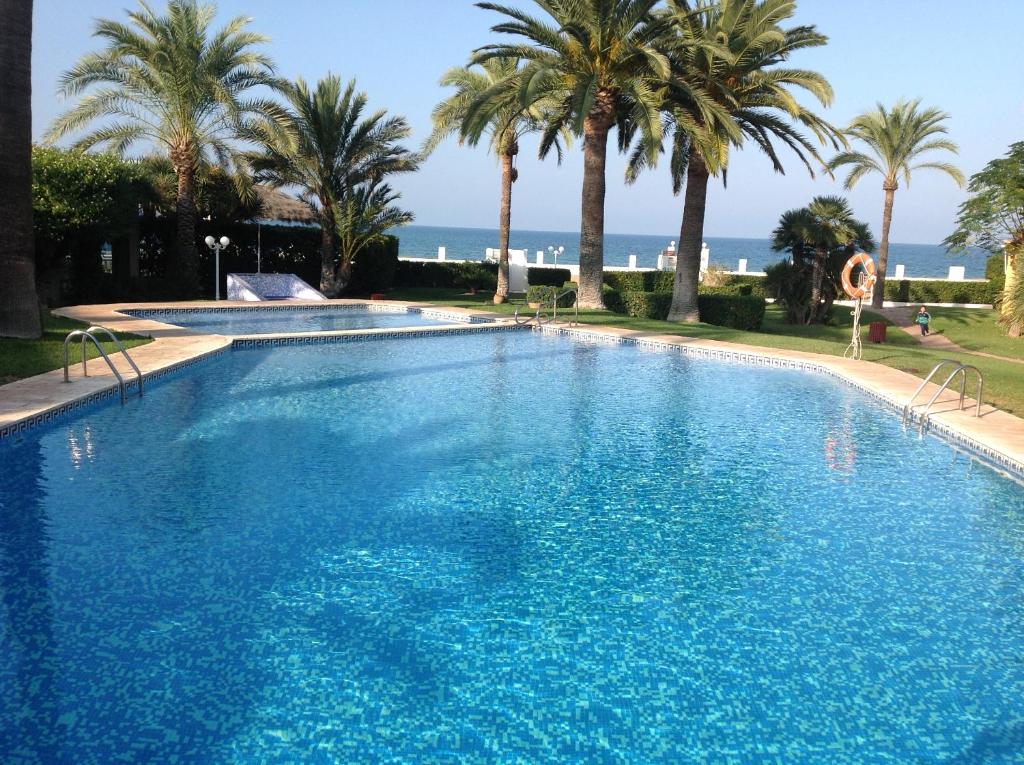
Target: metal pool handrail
pixel 85 334
pixel 961 369
pixel 539 319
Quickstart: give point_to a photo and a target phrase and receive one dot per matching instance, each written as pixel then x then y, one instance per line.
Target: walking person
pixel 924 319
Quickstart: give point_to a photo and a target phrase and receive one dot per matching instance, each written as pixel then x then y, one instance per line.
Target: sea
pixel 919 260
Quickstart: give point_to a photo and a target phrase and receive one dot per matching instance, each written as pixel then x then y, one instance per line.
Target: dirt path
pixel 903 317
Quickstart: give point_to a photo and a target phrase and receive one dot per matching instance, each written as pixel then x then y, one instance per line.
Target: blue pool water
pixel 504 548
pixel 287 320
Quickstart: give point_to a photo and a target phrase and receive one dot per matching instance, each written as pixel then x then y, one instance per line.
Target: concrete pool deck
pixel 995 435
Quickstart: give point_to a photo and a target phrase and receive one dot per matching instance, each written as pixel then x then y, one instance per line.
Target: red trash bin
pixel 876 332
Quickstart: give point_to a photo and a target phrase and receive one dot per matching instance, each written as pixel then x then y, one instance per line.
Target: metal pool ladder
pixel 90 334
pixel 958 369
pixel 539 319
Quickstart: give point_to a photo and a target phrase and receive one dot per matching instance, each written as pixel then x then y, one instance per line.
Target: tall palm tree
pixel 597 63
pixel 173 81
pixel 19 307
pixel 496 80
pixel 895 139
pixel 728 85
pixel 328 149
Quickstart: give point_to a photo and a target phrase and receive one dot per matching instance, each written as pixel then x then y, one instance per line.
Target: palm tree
pixel 828 231
pixel 896 139
pixel 327 149
pixel 496 79
pixel 728 85
pixel 598 65
pixel 176 83
pixel 365 214
pixel 19 307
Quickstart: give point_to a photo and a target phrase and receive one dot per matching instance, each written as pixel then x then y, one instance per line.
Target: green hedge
pixel 552 277
pixel 640 281
pixel 995 272
pixel 937 291
pixel 662 281
pixel 724 307
pixel 446 275
pixel 374 268
pixel 545 293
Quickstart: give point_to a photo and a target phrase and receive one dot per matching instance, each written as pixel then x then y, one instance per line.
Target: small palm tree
pixel 828 230
pixel 365 214
pixel 495 80
pixel 328 149
pixel 895 139
pixel 728 85
pixel 174 82
pixel 598 65
pixel 19 307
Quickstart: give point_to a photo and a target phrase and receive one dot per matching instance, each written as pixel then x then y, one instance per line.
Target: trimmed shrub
pixel 443 275
pixel 374 268
pixel 552 277
pixel 995 272
pixel 640 281
pixel 724 307
pixel 545 293
pixel 476 276
pixel 937 291
pixel 732 310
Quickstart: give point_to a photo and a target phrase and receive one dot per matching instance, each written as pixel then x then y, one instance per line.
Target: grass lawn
pixel 1004 380
pixel 976 330
pixel 25 358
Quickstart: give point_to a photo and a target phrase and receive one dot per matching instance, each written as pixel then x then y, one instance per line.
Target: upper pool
pixel 290 320
pixel 504 547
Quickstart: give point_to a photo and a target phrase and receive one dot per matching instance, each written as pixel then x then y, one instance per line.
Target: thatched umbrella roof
pixel 278 206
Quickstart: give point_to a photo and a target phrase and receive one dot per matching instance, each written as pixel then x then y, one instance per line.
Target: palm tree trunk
pixel 188 253
pixel 595 149
pixel 327 249
pixel 19 306
pixel 505 222
pixel 817 282
pixel 878 296
pixel 691 237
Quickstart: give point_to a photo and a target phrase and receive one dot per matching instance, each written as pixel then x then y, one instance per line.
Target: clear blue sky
pixel 964 58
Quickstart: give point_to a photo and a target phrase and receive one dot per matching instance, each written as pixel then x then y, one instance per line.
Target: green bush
pixel 995 272
pixel 444 275
pixel 374 268
pixel 552 277
pixel 732 310
pixel 725 307
pixel 640 281
pixel 476 276
pixel 938 291
pixel 545 293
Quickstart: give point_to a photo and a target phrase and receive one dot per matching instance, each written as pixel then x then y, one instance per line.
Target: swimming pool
pixel 290 320
pixel 504 547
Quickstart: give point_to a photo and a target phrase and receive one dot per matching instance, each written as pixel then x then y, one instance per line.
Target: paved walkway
pixel 903 317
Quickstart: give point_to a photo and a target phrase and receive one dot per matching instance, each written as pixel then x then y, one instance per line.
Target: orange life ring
pixel 864 285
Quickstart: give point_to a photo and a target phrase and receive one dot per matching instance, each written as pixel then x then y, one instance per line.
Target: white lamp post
pixel 555 252
pixel 217 246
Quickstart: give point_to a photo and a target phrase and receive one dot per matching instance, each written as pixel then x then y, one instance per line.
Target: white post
pixel 632 261
pixel 540 257
pixel 743 266
pixel 440 253
pixel 705 258
pixel 900 269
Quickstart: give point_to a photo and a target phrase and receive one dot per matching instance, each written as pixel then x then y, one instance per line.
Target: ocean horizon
pixel 417 241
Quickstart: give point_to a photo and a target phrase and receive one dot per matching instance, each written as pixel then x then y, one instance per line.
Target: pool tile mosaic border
pixel 321 339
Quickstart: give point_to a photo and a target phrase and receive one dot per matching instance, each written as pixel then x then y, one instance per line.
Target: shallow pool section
pixel 504 547
pixel 286 320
